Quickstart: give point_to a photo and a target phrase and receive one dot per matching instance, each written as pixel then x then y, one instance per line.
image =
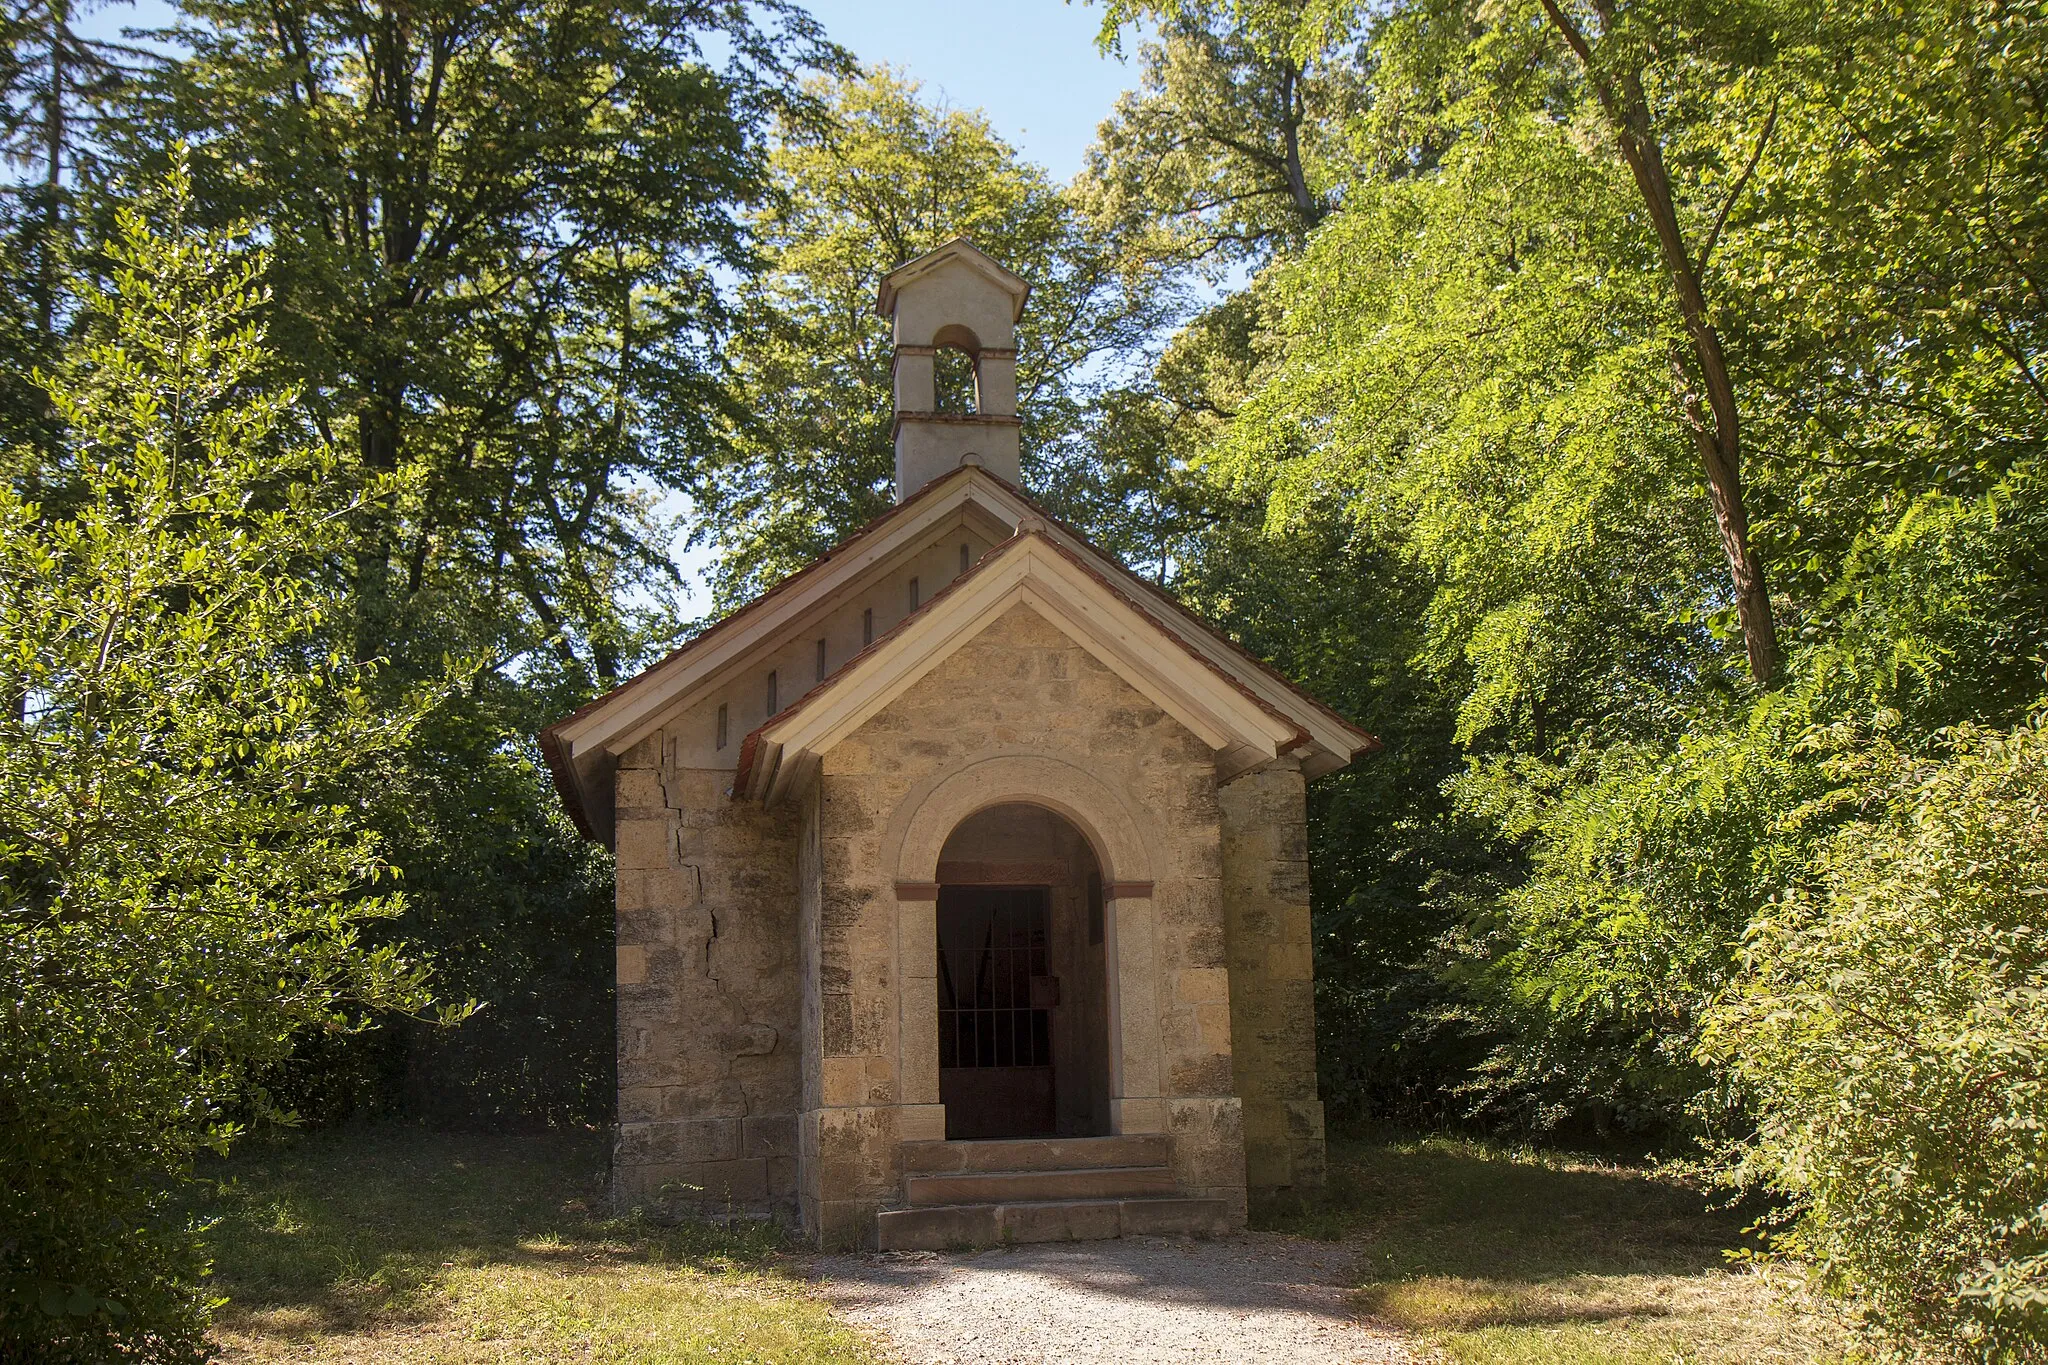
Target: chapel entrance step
pixel 1036 1154
pixel 1022 1187
pixel 955 1226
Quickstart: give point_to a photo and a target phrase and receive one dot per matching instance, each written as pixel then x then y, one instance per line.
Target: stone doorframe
pixel 1122 839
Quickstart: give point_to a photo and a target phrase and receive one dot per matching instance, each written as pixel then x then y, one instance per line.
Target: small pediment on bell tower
pixel 954 315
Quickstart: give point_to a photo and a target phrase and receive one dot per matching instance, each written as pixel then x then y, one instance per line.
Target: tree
pixel 1641 70
pixel 1461 391
pixel 55 87
pixel 186 890
pixel 500 233
pixel 1618 52
pixel 1891 1026
pixel 1471 364
pixel 1230 149
pixel 807 455
pixel 55 84
pixel 503 240
pixel 1881 281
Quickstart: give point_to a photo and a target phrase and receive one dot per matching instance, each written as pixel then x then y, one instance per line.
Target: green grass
pixel 393 1244
pixel 1493 1256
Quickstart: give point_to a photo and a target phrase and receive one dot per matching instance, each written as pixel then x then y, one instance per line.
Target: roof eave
pixel 564 743
pixel 776 735
pixel 960 248
pixel 725 628
pixel 563 773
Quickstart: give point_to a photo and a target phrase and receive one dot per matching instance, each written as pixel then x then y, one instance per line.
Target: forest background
pixel 1633 413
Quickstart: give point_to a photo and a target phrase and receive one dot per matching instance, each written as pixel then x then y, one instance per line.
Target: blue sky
pixel 1030 64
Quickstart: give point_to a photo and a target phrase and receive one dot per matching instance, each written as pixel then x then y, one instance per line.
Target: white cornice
pixel 1033 571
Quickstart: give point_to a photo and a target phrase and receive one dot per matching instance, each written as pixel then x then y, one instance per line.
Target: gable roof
pixel 582 749
pixel 1032 569
pixel 968 254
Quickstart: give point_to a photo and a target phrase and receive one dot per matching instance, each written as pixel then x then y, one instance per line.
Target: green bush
pixel 1890 1026
pixel 1645 863
pixel 182 887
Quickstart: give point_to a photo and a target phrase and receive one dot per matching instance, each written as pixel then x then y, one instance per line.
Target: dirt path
pixel 1254 1298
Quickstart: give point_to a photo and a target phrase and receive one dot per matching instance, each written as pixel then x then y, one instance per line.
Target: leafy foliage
pixel 1471 363
pixel 1482 390
pixel 1891 1026
pixel 501 240
pixel 519 913
pixel 186 888
pixel 1592 970
pixel 498 232
pixel 1229 149
pixel 808 455
pixel 1470 366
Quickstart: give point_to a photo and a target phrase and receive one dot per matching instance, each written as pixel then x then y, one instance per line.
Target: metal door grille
pixel 989 950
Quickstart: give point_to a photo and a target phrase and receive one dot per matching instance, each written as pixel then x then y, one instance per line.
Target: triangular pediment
pixel 1036 572
pixel 582 749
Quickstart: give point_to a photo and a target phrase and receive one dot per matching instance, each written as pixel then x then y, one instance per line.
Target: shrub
pixel 1645 863
pixel 1890 1026
pixel 182 890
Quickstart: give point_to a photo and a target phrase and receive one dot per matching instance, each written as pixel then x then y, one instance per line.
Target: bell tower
pixel 955 314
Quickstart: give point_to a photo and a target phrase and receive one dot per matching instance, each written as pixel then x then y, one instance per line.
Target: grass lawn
pixel 1502 1257
pixel 392 1244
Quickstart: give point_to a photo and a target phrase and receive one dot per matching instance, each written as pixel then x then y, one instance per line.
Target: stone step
pixel 1016 1187
pixel 953 1226
pixel 1036 1154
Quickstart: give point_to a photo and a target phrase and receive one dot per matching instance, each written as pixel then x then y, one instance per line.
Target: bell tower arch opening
pixel 956 372
pixel 953 313
pixel 1023 1000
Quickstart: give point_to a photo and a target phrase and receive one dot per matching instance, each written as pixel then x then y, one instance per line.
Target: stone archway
pixel 1122 837
pixel 1121 842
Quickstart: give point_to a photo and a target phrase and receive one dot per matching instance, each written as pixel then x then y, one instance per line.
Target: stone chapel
pixel 963 887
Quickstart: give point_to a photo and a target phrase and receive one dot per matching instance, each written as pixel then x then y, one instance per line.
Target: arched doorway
pixel 1023 1000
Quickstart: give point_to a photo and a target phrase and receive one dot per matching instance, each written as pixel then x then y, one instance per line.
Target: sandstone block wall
pixel 709 1026
pixel 1022 686
pixel 848 1126
pixel 1272 977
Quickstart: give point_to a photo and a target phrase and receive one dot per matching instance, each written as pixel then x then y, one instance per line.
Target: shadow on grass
pixel 332 1231
pixel 1466 1234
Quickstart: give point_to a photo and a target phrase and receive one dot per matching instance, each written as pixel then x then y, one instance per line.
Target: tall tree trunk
pixel 1716 423
pixel 377 442
pixel 1290 140
pixel 53 172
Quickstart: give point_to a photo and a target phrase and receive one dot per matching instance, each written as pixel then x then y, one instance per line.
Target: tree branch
pixel 1742 183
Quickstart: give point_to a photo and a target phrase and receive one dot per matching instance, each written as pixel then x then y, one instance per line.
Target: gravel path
pixel 1136 1301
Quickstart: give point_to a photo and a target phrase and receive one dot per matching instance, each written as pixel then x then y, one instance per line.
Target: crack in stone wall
pixel 708 998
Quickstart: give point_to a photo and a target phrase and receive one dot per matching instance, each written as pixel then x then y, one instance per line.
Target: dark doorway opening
pixel 996 999
pixel 1023 984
